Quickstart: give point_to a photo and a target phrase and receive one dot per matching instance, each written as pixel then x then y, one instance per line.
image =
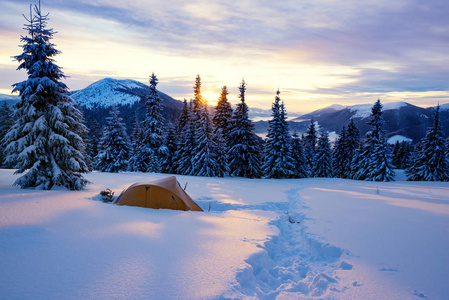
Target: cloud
pixel 323 50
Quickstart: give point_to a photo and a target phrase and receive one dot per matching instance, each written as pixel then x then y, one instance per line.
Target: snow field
pixel 257 239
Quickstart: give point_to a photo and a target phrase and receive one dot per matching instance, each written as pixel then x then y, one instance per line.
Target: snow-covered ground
pixel 260 239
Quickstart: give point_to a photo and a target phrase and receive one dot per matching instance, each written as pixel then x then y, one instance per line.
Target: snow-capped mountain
pixel 10 99
pixel 402 120
pixel 128 95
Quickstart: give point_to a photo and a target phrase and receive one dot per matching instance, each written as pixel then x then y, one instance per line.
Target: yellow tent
pixel 162 193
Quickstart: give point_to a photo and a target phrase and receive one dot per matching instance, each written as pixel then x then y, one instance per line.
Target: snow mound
pixel 108 92
pixel 399 138
pixel 364 110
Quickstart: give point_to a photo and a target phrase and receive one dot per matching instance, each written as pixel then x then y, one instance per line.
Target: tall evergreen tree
pixel 45 140
pixel 244 152
pixel 114 146
pixel 169 162
pixel 430 162
pixel 186 142
pixel 6 123
pixel 142 157
pixel 323 165
pixel 300 169
pixel 340 162
pixel 222 119
pixel 278 162
pixel 205 161
pixel 375 159
pixel 352 147
pixel 152 125
pixel 309 141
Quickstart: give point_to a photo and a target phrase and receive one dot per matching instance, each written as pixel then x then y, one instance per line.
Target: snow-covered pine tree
pixel 222 119
pixel 114 145
pixel 45 138
pixel 278 162
pixel 309 143
pixel 142 157
pixel 6 123
pixel 352 147
pixel 94 138
pixel 244 153
pixel 300 169
pixel 205 161
pixel 323 161
pixel 152 126
pixel 430 162
pixel 339 157
pixel 375 159
pixel 186 141
pixel 168 164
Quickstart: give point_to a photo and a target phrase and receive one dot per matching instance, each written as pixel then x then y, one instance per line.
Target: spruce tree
pixel 169 163
pixel 310 140
pixel 6 123
pixel 352 147
pixel 430 162
pixel 152 125
pixel 142 157
pixel 114 145
pixel 186 142
pixel 205 161
pixel 323 165
pixel 300 169
pixel 278 162
pixel 244 153
pixel 375 159
pixel 222 119
pixel 45 139
pixel 339 158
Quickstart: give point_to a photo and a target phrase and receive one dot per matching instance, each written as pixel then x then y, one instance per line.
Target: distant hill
pixel 10 99
pixel 403 121
pixel 128 95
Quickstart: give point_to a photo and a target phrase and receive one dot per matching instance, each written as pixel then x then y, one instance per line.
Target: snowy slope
pixel 364 110
pixel 108 91
pixel 10 99
pixel 257 239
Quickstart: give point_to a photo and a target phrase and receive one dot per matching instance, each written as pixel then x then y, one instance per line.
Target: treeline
pixel 45 136
pixel 222 143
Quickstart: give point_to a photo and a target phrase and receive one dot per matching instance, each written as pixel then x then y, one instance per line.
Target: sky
pixel 317 53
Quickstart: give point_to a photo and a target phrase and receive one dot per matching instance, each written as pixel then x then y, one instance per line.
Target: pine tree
pixel 186 142
pixel 205 161
pixel 6 123
pixel 339 158
pixel 323 165
pixel 114 145
pixel 352 148
pixel 152 125
pixel 244 150
pixel 169 163
pixel 375 159
pixel 430 161
pixel 222 119
pixel 45 139
pixel 297 153
pixel 309 141
pixel 278 162
pixel 142 157
pixel 94 137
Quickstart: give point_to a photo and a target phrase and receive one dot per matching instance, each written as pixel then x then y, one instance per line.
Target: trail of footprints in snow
pixel 292 264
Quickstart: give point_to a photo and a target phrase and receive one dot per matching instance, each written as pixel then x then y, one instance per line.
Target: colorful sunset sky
pixel 317 53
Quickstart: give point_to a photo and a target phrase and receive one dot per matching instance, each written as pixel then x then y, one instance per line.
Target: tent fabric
pixel 164 193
